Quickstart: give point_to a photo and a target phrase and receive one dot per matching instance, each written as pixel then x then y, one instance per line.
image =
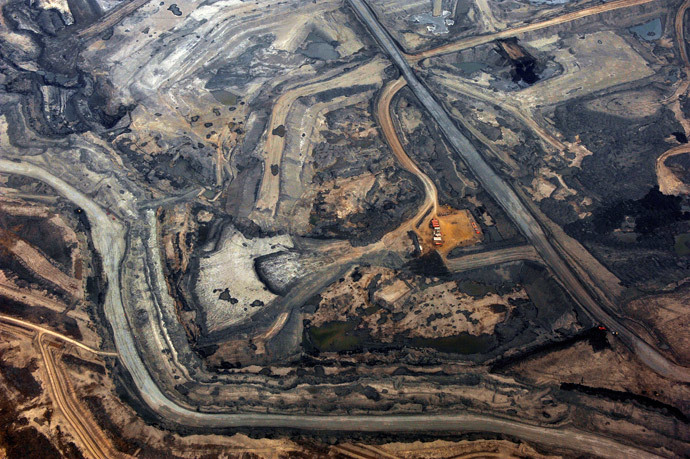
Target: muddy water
pixel 320 50
pixel 470 67
pixel 224 97
pixel 649 31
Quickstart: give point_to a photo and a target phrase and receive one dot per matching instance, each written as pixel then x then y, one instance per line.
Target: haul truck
pixel 436 228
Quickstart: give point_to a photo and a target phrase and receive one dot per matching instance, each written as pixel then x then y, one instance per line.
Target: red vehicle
pixel 436 226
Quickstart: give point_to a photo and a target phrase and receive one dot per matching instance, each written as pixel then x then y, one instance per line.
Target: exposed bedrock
pixel 42 65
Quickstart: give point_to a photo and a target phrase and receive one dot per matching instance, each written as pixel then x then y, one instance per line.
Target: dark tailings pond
pixel 320 50
pixel 649 31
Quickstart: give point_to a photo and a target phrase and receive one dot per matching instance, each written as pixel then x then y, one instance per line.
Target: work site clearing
pixel 458 228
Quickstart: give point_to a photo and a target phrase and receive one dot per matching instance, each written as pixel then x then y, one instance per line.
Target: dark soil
pixel 652 223
pixel 21 378
pixel 427 147
pixel 82 364
pixel 17 440
pixel 633 227
pixel 621 396
pixel 393 198
pixel 526 328
pixel 624 150
pixel 107 425
pixel 429 265
pixel 41 234
pixel 47 317
pixel 595 336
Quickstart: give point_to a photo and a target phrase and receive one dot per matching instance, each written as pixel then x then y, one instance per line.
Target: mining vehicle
pixel 436 227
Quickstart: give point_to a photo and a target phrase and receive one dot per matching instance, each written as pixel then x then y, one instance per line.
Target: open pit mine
pixel 344 228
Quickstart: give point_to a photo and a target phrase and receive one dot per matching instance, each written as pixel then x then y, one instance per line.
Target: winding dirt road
pixel 383 110
pixel 520 214
pixel 109 240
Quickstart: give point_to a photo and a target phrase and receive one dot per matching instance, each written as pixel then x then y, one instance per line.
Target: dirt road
pixel 31 298
pixel 109 240
pixel 108 237
pixel 92 438
pixel 494 257
pixel 383 111
pixel 471 42
pixel 467 89
pixel 46 331
pixel 669 183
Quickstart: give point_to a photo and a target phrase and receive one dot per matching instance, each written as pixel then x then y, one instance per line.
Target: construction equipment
pixel 436 228
pixel 415 243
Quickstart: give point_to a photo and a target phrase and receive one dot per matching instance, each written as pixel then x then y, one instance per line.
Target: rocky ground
pixel 361 191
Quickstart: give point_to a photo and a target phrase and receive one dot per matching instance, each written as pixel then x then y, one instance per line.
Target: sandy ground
pixel 41 265
pixel 369 73
pixel 669 183
pixel 630 104
pixel 470 42
pixel 614 368
pixel 422 309
pixel 442 449
pixel 457 230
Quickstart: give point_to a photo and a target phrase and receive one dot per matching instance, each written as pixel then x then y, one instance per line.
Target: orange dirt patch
pixel 456 229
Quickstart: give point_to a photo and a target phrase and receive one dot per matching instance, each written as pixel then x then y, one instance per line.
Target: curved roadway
pixel 46 331
pixel 109 240
pixel 384 115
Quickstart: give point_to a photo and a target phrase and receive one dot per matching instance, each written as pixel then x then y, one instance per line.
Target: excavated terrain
pixel 216 238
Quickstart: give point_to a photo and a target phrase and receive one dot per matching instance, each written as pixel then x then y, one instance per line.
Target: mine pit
pixel 525 67
pixel 384 310
pixel 222 210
